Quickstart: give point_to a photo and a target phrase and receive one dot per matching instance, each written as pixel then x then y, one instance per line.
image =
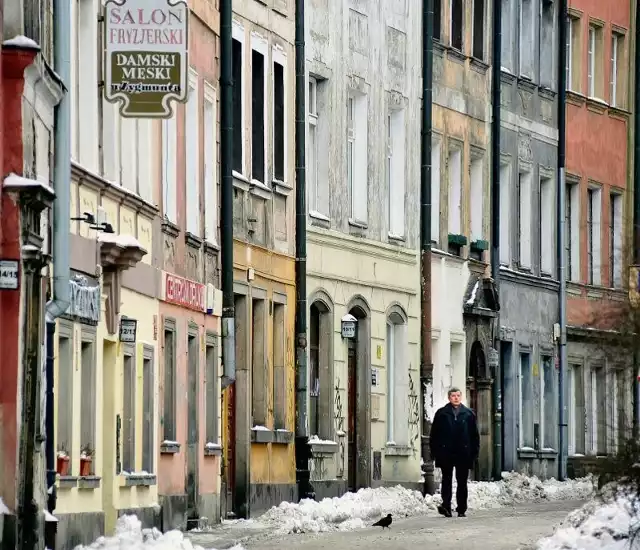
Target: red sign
pixel 186 293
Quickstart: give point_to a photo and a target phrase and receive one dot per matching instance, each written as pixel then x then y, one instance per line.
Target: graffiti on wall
pixel 414 416
pixel 339 423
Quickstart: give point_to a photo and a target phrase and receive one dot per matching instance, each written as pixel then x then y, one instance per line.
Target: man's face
pixel 455 398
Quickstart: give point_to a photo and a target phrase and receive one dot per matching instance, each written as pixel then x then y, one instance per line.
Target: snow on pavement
pixel 354 510
pixel 601 524
pixel 131 536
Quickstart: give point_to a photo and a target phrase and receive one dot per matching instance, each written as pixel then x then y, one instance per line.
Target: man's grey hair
pixel 453 389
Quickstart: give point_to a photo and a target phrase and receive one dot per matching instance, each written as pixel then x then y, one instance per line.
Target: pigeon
pixel 384 522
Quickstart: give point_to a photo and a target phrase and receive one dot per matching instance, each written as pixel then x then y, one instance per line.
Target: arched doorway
pixel 358 399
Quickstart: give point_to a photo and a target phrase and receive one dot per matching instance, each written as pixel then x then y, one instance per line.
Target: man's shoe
pixel 444 511
pixel 462 515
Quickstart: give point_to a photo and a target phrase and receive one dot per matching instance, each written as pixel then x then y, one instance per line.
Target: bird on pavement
pixel 384 522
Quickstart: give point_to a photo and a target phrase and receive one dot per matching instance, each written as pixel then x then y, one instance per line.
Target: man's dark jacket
pixel 455 440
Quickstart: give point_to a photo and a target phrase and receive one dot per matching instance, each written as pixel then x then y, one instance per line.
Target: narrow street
pixel 507 528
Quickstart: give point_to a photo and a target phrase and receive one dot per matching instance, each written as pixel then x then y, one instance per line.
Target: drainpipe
pixel 303 451
pixel 636 201
pixel 498 378
pixel 426 365
pixel 560 239
pixel 60 298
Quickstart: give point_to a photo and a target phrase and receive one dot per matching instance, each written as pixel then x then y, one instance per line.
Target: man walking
pixel 454 443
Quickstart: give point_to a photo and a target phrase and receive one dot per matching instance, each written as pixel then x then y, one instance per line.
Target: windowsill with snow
pixel 169 447
pixel 137 479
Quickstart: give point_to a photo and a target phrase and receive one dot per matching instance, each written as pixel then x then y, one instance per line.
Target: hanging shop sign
pixel 9 274
pixel 84 302
pixel 146 56
pixel 128 329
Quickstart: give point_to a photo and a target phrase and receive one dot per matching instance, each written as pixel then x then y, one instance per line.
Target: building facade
pixel 258 424
pixel 529 286
pixel 187 251
pixel 463 295
pixel 362 234
pixel 599 225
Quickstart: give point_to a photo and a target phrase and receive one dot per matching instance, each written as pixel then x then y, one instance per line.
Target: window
pixel 455 190
pixel 312 147
pixel 210 166
pixel 477 198
pixel 169 377
pixel 594 63
pixel 547 50
pixel 478 29
pixel 260 376
pixel 129 413
pixel 547 222
pixel 64 387
pixel 395 172
pixel 437 19
pixel 211 388
pixel 279 126
pixel 576 411
pixel 524 219
pixel 615 240
pixel 456 29
pixel 616 75
pixel 436 151
pixel 572 228
pixel 258 116
pixel 549 418
pixel 593 236
pixel 598 412
pixel 527 38
pixel 148 423
pixel 128 153
pixel 314 370
pixel 169 156
pixel 279 370
pixel 526 402
pixel 192 136
pixel 618 408
pixel 88 395
pixel 507 36
pixel 357 159
pixel 569 49
pixel 397 380
pixel 574 54
pixel 238 111
pixel 505 214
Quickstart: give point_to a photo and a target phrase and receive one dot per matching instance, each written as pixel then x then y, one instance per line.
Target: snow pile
pixel 598 525
pixel 356 510
pixel 131 536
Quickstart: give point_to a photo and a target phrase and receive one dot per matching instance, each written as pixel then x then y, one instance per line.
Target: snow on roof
pixel 125 241
pixel 349 318
pixel 13 180
pixel 4 510
pixel 21 41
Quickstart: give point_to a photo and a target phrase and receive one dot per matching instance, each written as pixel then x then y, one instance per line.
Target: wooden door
pixel 351 413
pixel 229 445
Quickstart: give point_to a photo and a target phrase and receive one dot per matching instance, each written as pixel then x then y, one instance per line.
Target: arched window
pixel 397 378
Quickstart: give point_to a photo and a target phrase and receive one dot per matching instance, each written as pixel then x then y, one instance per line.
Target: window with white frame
pixel 279 116
pixel 128 153
pixel 618 409
pixel 88 380
pixel 357 161
pixel 505 214
pixel 456 23
pixel 549 418
pixel 546 217
pixel 64 390
pixel 524 219
pixel 572 232
pixel 575 50
pixel 576 406
pixel 211 388
pixel 507 35
pixel 192 145
pixel 594 201
pixel 598 417
pixel 210 166
pixel 547 43
pixel 148 407
pixel 527 38
pixel 397 379
pixel 616 75
pixel 595 60
pixel 129 412
pixel 237 69
pixel 615 240
pixel 476 171
pixel 569 50
pixel 258 111
pixel 436 152
pixel 455 189
pixel 395 172
pixel 527 418
pixel 478 29
pixel 312 147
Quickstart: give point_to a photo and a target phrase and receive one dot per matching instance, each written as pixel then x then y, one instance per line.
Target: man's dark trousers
pixel 462 492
